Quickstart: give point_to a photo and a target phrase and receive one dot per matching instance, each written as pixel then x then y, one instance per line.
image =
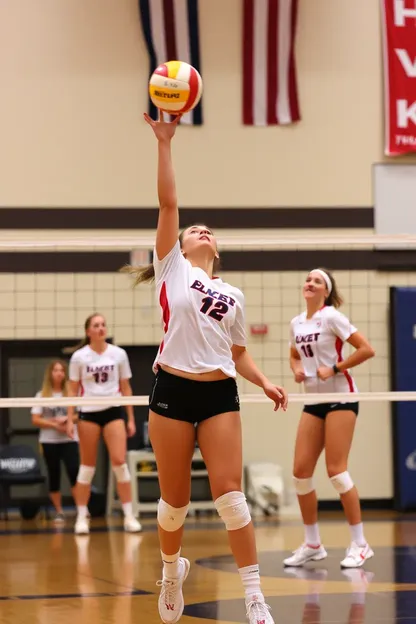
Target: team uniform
pixel 319 342
pixel 57 447
pixel 203 318
pixel 99 375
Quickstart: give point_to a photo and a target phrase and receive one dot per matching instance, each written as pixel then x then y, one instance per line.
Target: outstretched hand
pixel 164 130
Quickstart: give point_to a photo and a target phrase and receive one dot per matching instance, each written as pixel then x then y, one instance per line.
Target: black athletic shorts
pixel 321 410
pixel 192 401
pixel 104 417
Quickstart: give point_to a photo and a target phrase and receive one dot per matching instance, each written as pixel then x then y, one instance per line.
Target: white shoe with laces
pixel 132 525
pixel 171 604
pixel 356 556
pixel 304 554
pixel 259 613
pixel 82 525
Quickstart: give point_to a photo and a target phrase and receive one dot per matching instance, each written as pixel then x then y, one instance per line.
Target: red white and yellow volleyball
pixel 175 87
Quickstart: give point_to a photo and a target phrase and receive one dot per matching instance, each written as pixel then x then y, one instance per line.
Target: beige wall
pixel 74 75
pixel 56 305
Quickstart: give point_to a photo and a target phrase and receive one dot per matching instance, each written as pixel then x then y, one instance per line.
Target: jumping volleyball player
pixel 317 337
pixel 195 393
pixel 101 370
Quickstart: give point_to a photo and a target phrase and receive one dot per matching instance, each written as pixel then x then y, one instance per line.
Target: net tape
pixel 245 240
pixel 244 398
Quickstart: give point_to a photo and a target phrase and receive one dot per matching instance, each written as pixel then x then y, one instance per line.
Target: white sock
pixel 82 511
pixel 250 577
pixel 312 536
pixel 128 510
pixel 357 534
pixel 171 565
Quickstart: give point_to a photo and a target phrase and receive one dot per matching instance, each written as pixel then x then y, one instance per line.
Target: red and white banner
pixel 399 43
pixel 270 93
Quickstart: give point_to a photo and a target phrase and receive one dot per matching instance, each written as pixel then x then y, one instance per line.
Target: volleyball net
pixel 50 285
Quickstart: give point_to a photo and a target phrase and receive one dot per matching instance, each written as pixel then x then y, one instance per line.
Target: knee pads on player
pixel 122 473
pixel 170 518
pixel 233 510
pixel 303 486
pixel 85 474
pixel 342 482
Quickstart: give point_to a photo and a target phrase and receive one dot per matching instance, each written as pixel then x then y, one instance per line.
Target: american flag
pixel 270 95
pixel 171 32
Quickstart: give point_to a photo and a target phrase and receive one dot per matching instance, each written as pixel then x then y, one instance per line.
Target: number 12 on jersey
pixel 215 309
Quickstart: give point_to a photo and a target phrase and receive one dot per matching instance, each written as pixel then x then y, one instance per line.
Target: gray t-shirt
pixel 49 435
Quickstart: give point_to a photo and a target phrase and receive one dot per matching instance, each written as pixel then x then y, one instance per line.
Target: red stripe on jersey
pixel 338 347
pixel 164 304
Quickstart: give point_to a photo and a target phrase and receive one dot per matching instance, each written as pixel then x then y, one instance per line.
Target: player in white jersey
pixel 99 369
pixel 195 394
pixel 316 359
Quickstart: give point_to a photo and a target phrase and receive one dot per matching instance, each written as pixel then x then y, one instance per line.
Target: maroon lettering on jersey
pixel 307 338
pixel 106 368
pixel 197 285
pixel 213 293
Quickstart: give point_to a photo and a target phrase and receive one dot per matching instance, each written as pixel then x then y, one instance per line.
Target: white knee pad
pixel 342 482
pixel 170 518
pixel 233 510
pixel 85 474
pixel 303 486
pixel 122 473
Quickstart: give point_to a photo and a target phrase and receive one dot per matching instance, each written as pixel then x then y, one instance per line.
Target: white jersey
pixel 319 342
pixel 202 317
pixel 99 374
pixel 49 435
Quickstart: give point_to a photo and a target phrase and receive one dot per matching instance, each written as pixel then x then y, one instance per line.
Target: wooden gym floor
pixel 48 575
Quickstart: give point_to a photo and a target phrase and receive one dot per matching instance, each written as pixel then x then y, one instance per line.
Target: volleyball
pixel 175 87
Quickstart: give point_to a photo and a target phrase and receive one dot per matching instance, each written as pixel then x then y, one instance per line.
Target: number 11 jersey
pixel 319 342
pixel 202 317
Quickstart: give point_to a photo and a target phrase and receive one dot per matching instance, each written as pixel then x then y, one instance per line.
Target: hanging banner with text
pixel 399 46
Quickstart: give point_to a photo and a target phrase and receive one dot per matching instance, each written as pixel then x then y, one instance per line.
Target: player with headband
pixel 316 342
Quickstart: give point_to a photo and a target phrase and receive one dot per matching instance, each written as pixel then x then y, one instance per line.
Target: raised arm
pixel 168 223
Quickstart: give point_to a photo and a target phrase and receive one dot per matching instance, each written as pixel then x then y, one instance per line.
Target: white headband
pixel 325 277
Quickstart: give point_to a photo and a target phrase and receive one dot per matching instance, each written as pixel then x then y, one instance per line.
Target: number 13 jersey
pixel 319 342
pixel 99 374
pixel 202 317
